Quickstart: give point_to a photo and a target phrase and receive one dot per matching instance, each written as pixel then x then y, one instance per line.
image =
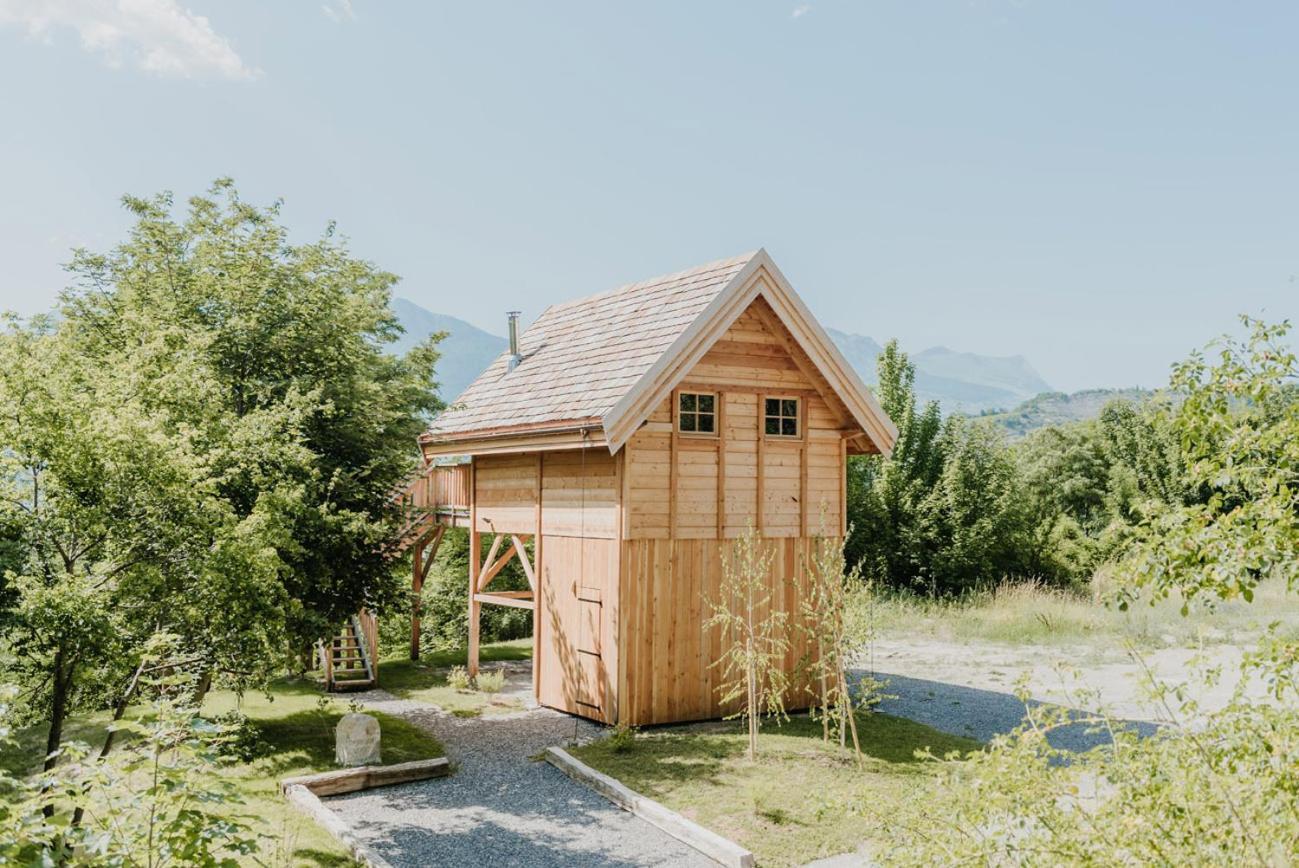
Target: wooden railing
pixel 368 625
pixel 437 489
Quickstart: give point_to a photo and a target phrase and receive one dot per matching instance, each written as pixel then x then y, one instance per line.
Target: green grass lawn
pixel 800 800
pixel 426 680
pixel 299 739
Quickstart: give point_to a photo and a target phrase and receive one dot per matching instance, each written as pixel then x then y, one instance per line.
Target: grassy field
pixel 426 680
pixel 298 733
pixel 799 801
pixel 1028 614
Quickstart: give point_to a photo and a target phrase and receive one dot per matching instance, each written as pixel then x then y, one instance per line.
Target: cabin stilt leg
pixel 475 607
pixel 416 586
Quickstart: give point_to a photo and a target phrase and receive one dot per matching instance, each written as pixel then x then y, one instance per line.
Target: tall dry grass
pixel 1018 613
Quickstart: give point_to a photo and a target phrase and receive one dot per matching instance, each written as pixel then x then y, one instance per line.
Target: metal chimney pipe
pixel 515 356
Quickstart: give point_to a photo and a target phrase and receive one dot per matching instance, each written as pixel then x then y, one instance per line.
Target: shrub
pixel 242 737
pixel 491 682
pixel 458 678
pixel 160 799
pixel 623 738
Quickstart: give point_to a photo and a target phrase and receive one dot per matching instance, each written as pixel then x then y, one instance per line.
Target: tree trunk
pixel 119 711
pixel 852 717
pixel 58 712
pixel 201 689
pixel 58 715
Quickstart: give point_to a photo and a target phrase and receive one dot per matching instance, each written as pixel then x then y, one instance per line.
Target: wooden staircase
pixel 433 498
pixel 350 659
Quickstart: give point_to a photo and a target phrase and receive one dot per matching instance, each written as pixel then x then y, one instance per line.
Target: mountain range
pixel 961 382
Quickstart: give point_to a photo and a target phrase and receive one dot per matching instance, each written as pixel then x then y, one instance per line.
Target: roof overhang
pixel 550 436
pixel 760 278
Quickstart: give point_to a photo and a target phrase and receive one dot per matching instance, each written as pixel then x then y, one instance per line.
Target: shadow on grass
pixel 305 740
pixel 663 757
pixel 321 858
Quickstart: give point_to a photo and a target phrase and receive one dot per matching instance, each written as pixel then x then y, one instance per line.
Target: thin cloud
pixel 157 36
pixel 800 11
pixel 339 11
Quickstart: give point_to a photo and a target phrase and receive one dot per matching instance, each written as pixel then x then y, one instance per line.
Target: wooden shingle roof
pixel 581 357
pixel 599 363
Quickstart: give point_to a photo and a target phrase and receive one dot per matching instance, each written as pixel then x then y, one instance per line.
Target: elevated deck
pixel 438 495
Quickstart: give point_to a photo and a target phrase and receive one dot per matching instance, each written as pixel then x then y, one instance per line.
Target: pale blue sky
pixel 1098 186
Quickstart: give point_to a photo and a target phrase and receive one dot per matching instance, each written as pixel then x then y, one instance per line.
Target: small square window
pixel 780 417
pixel 696 413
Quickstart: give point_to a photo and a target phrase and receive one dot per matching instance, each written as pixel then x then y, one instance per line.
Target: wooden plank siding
pixel 578 640
pixel 787 487
pixel 629 547
pixel 668 654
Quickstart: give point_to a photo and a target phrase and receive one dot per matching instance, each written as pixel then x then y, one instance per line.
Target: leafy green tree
pixel 1089 484
pixel 943 513
pixel 1212 787
pixel 1238 426
pixel 201 444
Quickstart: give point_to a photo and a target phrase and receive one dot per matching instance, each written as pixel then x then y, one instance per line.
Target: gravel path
pixel 501 807
pixel 968 689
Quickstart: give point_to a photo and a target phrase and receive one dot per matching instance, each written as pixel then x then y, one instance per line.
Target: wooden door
pixel 576 643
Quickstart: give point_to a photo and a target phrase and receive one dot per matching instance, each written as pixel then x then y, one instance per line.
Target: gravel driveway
pixel 501 808
pixel 968 688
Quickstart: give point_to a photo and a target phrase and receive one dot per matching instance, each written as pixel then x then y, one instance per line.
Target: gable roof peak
pixel 604 361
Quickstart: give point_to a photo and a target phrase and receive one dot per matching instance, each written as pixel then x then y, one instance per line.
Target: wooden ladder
pixel 348 658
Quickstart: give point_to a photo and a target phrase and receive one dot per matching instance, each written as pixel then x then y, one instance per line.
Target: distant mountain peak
pixel 961 382
pixel 466 350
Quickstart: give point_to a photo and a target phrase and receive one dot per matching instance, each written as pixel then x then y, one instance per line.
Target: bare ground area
pixel 969 688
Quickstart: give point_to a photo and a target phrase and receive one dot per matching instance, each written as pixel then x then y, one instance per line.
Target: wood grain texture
pixel 667 587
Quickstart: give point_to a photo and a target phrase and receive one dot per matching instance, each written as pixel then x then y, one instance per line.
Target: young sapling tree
pixel 754 634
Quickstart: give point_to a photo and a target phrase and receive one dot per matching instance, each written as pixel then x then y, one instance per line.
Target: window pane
pixel 706 423
pixel 789 407
pixel 773 426
pixel 773 406
pixel 687 401
pixel 789 427
pixel 705 403
pixel 687 421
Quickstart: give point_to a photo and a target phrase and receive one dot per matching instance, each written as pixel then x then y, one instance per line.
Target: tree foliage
pixel 160 801
pixel 1212 787
pixel 957 508
pixel 201 443
pixel 754 632
pixel 943 513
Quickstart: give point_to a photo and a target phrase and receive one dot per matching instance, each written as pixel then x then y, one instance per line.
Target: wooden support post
pixel 673 454
pixel 416 586
pixel 843 487
pixel 721 465
pixel 536 591
pixel 475 567
pixel 762 460
pixel 802 469
pixel 421 563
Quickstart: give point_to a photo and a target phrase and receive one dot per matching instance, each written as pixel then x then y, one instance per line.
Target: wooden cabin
pixel 628 438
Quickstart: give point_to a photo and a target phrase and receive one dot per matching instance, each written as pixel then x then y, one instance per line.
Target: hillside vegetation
pixel 1059 408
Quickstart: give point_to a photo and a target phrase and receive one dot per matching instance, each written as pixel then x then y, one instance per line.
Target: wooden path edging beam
pixel 711 844
pixel 368 777
pixel 309 803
